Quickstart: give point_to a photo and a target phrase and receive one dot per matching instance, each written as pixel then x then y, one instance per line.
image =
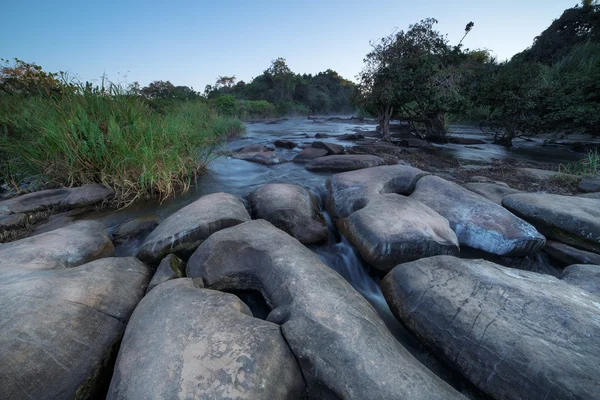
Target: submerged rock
pixel 66 247
pixel 566 255
pixel 343 347
pixel 183 231
pixel 515 334
pixel 331 148
pixel 341 163
pixel 186 342
pixel 60 329
pixel 393 229
pixel 171 267
pixel 568 219
pixel 478 222
pixel 491 191
pixel 290 208
pixel 309 154
pixel 351 191
pixel 263 157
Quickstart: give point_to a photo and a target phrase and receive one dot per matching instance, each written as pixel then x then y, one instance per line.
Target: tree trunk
pixel 384 119
pixel 504 139
pixel 435 126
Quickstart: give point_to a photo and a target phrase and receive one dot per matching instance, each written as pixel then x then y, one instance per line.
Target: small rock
pixel 87 195
pixel 136 227
pixel 332 149
pixel 290 208
pixel 565 255
pixel 568 219
pixel 254 148
pixel 321 136
pixel 288 144
pixel 491 191
pixel 589 184
pixel 350 137
pixel 264 157
pixel 171 267
pixel 183 231
pixel 309 154
pixel 343 163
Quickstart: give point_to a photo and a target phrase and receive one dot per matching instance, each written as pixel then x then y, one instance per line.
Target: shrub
pixel 227 105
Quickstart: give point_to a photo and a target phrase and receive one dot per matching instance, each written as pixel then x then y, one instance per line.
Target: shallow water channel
pixel 240 177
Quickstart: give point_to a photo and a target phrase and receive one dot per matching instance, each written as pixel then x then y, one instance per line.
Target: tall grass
pixel 588 166
pixel 107 136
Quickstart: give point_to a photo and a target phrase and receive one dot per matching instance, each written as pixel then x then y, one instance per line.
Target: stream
pixel 240 177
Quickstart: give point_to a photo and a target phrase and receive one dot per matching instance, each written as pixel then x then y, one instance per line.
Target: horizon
pixel 192 44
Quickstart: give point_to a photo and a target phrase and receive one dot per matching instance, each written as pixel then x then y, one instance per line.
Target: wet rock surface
pixel 290 208
pixel 568 219
pixel 183 231
pixel 515 334
pixel 478 222
pixel 351 191
pixel 345 162
pixel 327 324
pixel 186 342
pixel 61 328
pixel 393 229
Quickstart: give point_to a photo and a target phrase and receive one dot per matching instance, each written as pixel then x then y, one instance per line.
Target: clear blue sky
pixel 192 42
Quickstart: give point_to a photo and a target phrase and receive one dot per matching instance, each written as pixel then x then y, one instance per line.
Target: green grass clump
pixel 108 136
pixel 588 166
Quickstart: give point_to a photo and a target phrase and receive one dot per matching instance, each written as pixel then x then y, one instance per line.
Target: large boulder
pixel 60 329
pixel 331 148
pixel 584 276
pixel 568 219
pixel 191 343
pixel 66 247
pixel 309 154
pixel 183 231
pixel 290 208
pixel 478 222
pixel 393 229
pixel 565 255
pixel 351 191
pixel 491 191
pixel 343 347
pixel 341 163
pixel 515 334
pixel 34 201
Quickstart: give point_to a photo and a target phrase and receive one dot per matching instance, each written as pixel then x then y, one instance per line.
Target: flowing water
pixel 239 177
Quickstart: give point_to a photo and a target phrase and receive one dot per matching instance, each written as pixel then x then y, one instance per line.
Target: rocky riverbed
pixel 302 267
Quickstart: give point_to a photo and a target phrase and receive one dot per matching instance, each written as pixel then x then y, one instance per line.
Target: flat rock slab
pixel 59 329
pixel 290 208
pixel 491 191
pixel 566 255
pixel 478 222
pixel 183 231
pixel 190 343
pixel 515 334
pixel 309 154
pixel 584 276
pixel 331 148
pixel 568 219
pixel 343 347
pixel 34 201
pixel 351 191
pixel 345 162
pixel 393 229
pixel 66 247
pixel 263 157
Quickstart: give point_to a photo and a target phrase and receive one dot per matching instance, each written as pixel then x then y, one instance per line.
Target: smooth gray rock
pixel 87 195
pixel 538 175
pixel 66 247
pixel 12 220
pixel 288 144
pixel 345 162
pixel 331 148
pixel 393 229
pixel 171 267
pixel 568 219
pixel 263 157
pixel 183 231
pixel 515 334
pixel 589 184
pixel 34 201
pixel 351 191
pixel 478 222
pixel 135 228
pixel 59 329
pixel 584 276
pixel 290 208
pixel 343 347
pixel 309 154
pixel 566 255
pixel 491 191
pixel 190 343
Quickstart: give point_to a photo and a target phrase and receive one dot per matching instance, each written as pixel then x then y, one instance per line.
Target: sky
pixel 193 42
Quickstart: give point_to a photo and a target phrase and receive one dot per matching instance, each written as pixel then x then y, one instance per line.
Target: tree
pixel 29 79
pixel 166 90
